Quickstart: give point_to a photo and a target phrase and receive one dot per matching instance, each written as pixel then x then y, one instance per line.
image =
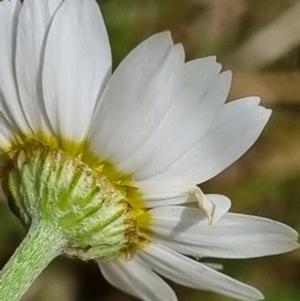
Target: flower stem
pixel 41 245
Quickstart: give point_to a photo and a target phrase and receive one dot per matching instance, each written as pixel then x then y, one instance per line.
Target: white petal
pixel 149 96
pixel 137 97
pixel 166 199
pixel 221 204
pixel 76 66
pixel 136 278
pixel 7 132
pixel 183 126
pixel 34 22
pixel 233 236
pixel 10 104
pixel 235 130
pixel 214 266
pixel 194 274
pixel 195 105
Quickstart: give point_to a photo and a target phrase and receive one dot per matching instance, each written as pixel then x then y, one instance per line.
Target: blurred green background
pixel 259 41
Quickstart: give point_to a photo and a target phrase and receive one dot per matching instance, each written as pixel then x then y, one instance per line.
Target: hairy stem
pixel 41 245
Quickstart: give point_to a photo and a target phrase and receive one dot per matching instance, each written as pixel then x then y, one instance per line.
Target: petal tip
pixel 163 36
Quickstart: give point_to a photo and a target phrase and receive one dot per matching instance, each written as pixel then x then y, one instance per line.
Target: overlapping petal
pixel 191 273
pixel 7 133
pixel 234 236
pixel 9 97
pixel 172 101
pixel 77 65
pixel 33 25
pixel 136 278
pixel 137 97
pixel 234 131
pixel 187 120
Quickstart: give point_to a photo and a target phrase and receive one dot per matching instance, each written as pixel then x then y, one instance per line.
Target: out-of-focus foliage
pixel 266 181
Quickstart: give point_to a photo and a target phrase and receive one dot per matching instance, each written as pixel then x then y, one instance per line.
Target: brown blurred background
pixel 259 41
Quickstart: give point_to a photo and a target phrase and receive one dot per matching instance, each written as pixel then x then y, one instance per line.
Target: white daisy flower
pixel 107 163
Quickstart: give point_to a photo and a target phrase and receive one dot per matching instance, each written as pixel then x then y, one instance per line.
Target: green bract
pixel 93 216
